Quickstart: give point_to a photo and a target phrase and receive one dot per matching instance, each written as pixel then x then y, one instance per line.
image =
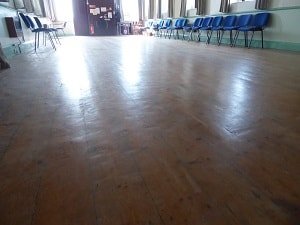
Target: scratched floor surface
pixel 148 131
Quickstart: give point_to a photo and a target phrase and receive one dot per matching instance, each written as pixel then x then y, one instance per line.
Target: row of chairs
pixel 37 28
pixel 244 23
pixel 165 28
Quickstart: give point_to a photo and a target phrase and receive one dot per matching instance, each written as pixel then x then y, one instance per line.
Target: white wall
pixel 282 24
pixel 212 7
pixel 284 3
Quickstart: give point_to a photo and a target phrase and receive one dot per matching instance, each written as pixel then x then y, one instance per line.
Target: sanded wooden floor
pixel 148 131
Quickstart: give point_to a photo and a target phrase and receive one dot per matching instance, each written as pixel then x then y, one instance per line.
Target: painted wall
pixel 6 11
pixel 4 38
pixel 214 5
pixel 285 15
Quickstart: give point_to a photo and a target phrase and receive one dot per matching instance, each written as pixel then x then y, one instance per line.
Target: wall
pixel 281 32
pixel 4 39
pixel 7 11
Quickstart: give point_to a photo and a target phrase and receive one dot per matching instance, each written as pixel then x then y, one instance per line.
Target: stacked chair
pixel 37 30
pixel 179 25
pixel 191 29
pixel 259 23
pixel 243 21
pixel 52 30
pixel 204 26
pixel 228 25
pixel 157 28
pixel 215 26
pixel 165 28
pixel 246 23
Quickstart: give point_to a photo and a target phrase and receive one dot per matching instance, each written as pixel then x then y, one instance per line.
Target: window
pixel 63 10
pixel 164 8
pixel 190 4
pixel 130 10
pixel 234 1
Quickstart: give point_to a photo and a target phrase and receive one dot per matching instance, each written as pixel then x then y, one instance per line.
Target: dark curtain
pixel 200 5
pixel 183 8
pixel 261 4
pixel 141 11
pixel 151 9
pixel 171 8
pixel 225 5
pixel 159 8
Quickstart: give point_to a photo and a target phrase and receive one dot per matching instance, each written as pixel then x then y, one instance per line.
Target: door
pixel 101 17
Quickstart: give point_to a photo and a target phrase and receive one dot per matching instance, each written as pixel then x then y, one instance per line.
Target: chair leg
pixel 209 35
pixel 51 41
pixel 235 38
pixel 38 39
pixel 262 39
pixel 35 39
pixel 199 35
pixel 191 36
pixel 221 37
pixel 251 39
pixel 56 36
pixel 218 37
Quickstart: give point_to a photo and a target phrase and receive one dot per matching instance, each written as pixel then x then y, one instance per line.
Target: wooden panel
pixel 14 27
pixel 80 17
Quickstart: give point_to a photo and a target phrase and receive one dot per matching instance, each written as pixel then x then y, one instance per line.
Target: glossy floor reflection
pixel 142 130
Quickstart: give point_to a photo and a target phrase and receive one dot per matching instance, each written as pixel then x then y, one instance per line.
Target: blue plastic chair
pixel 260 21
pixel 204 26
pixel 170 29
pixel 228 25
pixel 215 25
pixel 52 30
pixel 179 24
pixel 30 24
pixel 166 27
pixel 193 28
pixel 157 27
pixel 243 21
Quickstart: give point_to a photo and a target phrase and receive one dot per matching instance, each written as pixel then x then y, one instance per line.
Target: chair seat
pixel 187 28
pixel 230 28
pixel 40 30
pixel 205 28
pixel 217 28
pixel 250 28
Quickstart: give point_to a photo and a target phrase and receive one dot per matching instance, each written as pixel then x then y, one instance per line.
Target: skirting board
pixel 11 51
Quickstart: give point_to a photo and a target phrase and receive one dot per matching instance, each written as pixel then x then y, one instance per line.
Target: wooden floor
pixel 148 131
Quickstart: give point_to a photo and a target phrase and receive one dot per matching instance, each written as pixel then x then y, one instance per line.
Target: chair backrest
pixel 177 22
pixel 38 22
pixel 229 21
pixel 31 22
pixel 261 19
pixel 206 22
pixel 244 20
pixel 217 21
pixel 183 22
pixel 161 23
pixel 197 22
pixel 25 20
pixel 168 23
